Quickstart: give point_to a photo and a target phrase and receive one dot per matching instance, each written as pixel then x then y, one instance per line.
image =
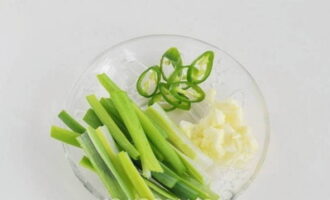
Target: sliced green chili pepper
pixel 187 92
pixel 169 61
pixel 179 74
pixel 184 105
pixel 201 67
pixel 171 99
pixel 147 83
pixel 158 98
pixel 180 88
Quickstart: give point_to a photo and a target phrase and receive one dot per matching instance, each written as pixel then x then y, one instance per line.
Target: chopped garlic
pixel 222 134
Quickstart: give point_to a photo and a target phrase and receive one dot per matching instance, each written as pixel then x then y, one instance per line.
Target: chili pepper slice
pixel 148 81
pixel 169 61
pixel 187 91
pixel 158 98
pixel 201 67
pixel 184 105
pixel 171 99
pixel 179 74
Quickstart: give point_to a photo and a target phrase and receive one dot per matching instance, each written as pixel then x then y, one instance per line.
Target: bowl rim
pixel 263 155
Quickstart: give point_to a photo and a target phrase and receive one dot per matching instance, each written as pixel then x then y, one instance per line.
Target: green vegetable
pixel 107 83
pixel 198 188
pixel 112 126
pixel 157 153
pixel 161 152
pixel 180 88
pixel 184 192
pixel 161 191
pixel 171 99
pixel 126 111
pixel 159 141
pixel 71 122
pixel 160 117
pixel 100 167
pixel 64 135
pixel 186 91
pixel 107 103
pixel 112 111
pixel 169 61
pixel 86 163
pixel 179 74
pixel 192 171
pixel 91 119
pixel 158 98
pixel 202 190
pixel 148 81
pixel 108 137
pixel 140 185
pixel 107 154
pixel 201 67
pixel 165 179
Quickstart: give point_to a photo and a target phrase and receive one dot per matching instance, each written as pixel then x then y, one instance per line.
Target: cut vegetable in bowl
pixel 201 67
pixel 188 92
pixel 159 99
pixel 140 150
pixel 148 82
pixel 178 84
pixel 188 68
pixel 169 62
pixel 222 134
pixel 136 153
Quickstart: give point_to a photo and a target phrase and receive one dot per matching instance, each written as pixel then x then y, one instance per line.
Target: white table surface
pixel 45 45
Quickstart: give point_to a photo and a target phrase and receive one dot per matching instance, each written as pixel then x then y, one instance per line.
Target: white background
pixel 45 45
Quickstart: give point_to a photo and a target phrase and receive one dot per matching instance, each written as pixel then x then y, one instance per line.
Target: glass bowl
pixel 125 61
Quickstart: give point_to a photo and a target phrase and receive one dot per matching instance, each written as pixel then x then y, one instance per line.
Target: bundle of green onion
pixel 174 85
pixel 137 154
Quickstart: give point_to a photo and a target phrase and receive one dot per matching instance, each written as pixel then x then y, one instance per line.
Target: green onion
pixel 159 141
pixel 131 120
pixel 86 163
pixel 112 150
pixel 184 191
pixel 160 190
pixel 169 61
pixel 107 83
pixel 198 188
pixel 193 171
pixel 107 103
pixel 147 83
pixel 100 167
pixel 71 122
pixel 165 179
pixel 176 136
pixel 160 117
pixel 157 153
pixel 140 185
pixel 107 154
pixel 201 67
pixel 64 135
pixel 112 126
pixel 108 137
pixel 91 119
pixel 112 111
pixel 126 112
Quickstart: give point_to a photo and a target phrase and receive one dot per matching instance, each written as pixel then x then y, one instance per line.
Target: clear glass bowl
pixel 125 61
